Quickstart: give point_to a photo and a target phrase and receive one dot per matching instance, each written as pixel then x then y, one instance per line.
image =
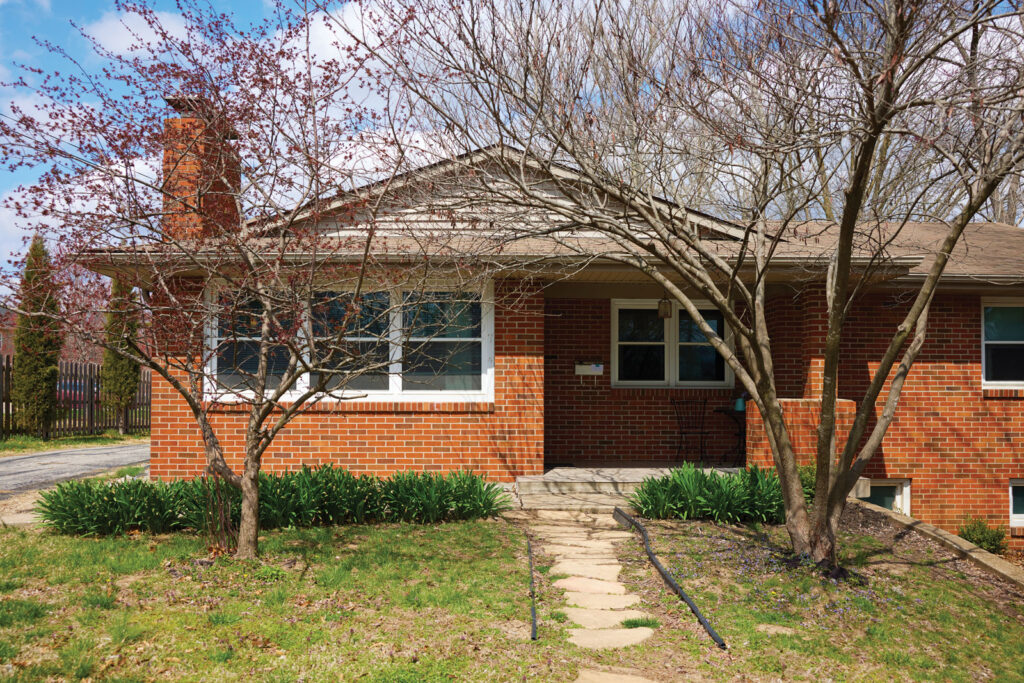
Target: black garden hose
pixel 533 596
pixel 626 519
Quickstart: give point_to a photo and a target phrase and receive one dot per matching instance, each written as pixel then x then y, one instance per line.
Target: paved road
pixel 40 470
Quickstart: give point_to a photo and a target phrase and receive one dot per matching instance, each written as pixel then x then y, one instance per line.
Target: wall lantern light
pixel 664 308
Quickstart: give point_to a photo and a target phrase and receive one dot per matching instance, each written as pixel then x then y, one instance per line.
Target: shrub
pixel 751 495
pixel 808 474
pixel 977 531
pixel 93 507
pixel 309 497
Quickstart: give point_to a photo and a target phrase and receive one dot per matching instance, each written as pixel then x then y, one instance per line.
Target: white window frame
pixel 394 393
pixel 671 344
pixel 902 502
pixel 1015 520
pixel 997 303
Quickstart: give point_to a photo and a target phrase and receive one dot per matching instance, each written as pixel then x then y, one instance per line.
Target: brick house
pixel 581 368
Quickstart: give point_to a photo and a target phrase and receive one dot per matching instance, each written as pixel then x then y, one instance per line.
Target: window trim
pixel 671 344
pixel 902 494
pixel 1015 520
pixel 394 393
pixel 1015 302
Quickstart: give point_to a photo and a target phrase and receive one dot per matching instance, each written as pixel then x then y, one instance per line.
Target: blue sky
pixel 22 20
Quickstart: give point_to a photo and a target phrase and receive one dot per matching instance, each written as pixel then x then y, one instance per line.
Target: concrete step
pixel 539 484
pixel 579 502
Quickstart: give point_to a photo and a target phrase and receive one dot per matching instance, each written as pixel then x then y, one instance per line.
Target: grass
pixel 912 612
pixel 641 622
pixel 20 444
pixel 381 603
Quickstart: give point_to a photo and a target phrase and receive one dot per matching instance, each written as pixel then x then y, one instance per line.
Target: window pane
pixel 371 357
pixel 441 314
pixel 367 317
pixel 1004 323
pixel 238 363
pixel 1018 500
pixel 1004 362
pixel 244 319
pixel 641 363
pixel 883 496
pixel 640 325
pixel 689 332
pixel 700 364
pixel 442 366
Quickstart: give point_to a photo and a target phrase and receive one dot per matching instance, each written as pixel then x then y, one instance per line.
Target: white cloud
pixel 121 33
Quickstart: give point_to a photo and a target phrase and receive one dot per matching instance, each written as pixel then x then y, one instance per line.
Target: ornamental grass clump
pixel 305 498
pixel 751 495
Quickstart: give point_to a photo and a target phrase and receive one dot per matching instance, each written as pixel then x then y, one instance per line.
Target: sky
pixel 23 20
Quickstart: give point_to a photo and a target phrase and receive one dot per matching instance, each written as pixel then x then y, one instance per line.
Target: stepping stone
pixel 597 557
pixel 606 638
pixel 598 601
pixel 590 570
pixel 601 618
pixel 581 584
pixel 611 535
pixel 582 543
pixel 591 676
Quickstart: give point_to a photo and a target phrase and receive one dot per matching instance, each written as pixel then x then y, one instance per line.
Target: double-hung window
pixel 1002 341
pixel 443 342
pixel 648 350
pixel 351 340
pixel 386 345
pixel 237 348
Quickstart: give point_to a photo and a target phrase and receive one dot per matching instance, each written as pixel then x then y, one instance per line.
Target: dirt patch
pixel 775 629
pixel 912 549
pixel 19 508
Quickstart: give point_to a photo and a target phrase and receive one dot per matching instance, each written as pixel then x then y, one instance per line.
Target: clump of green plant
pixel 750 495
pixel 977 531
pixel 305 498
pixel 808 475
pixel 98 508
pixel 640 622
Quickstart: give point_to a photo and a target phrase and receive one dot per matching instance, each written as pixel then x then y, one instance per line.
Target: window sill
pixel 994 392
pixel 364 406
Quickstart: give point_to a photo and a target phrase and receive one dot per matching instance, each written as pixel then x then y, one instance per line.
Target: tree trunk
pixel 122 421
pixel 249 528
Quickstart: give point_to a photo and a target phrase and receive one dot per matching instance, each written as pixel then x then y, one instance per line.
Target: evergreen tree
pixel 37 343
pixel 120 375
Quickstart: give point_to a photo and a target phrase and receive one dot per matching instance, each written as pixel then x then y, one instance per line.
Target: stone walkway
pixel 583 546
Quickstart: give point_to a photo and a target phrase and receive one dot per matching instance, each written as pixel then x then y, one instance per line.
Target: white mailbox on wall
pixel 589 369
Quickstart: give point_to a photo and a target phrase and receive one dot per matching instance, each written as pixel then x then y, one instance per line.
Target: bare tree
pixel 626 120
pixel 248 222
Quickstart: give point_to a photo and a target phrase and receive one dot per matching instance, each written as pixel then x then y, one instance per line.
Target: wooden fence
pixel 80 405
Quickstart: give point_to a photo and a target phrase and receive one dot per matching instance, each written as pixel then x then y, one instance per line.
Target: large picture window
pixel 648 350
pixel 384 344
pixel 1002 341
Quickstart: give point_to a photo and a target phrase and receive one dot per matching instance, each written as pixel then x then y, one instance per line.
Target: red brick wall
pixel 587 421
pixel 958 444
pixel 802 416
pixel 502 439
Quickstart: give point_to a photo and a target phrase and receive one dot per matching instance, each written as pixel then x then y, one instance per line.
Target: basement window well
pixel 891 494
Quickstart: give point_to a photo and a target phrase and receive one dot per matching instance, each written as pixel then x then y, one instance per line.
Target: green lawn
pixel 374 603
pixel 20 444
pixel 919 614
pixel 450 602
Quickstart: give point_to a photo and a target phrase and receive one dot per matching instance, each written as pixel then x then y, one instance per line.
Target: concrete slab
pixel 607 638
pixel 580 584
pixel 601 618
pixel 600 601
pixel 590 570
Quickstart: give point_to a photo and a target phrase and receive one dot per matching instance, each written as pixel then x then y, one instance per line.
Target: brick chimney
pixel 201 173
